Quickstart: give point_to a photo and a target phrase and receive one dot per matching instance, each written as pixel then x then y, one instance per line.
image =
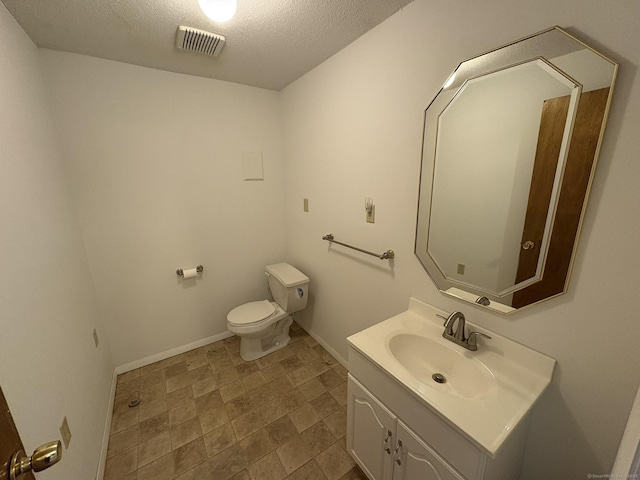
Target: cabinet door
pixel 370 428
pixel 417 460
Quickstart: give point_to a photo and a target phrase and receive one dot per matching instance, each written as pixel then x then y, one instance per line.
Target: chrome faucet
pixel 458 337
pixel 448 326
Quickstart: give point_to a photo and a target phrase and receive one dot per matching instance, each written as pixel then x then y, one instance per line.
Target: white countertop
pixel 518 375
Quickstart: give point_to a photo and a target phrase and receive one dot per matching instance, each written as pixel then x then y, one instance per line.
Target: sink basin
pixel 487 393
pixel 456 373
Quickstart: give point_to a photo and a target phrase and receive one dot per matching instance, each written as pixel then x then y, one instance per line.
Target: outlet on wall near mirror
pixel 510 148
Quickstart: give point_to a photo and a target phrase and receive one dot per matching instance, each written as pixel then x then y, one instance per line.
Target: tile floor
pixel 208 414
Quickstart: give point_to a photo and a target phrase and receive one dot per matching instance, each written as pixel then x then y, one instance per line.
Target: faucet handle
pixel 472 340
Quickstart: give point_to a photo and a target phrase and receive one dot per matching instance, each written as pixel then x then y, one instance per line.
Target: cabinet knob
pixel 398 447
pixel 386 442
pixel 397 452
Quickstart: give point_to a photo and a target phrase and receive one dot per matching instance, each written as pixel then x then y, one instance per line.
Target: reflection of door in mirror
pixel 552 122
pixel 480 202
pixel 586 132
pixel 486 146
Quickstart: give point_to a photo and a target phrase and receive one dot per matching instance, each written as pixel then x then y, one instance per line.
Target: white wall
pixel 154 160
pixel 49 366
pixel 353 129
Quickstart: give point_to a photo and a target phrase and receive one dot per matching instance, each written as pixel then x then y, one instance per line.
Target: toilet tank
pixel 288 285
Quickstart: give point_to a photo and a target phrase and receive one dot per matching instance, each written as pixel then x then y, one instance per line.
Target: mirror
pixel 509 150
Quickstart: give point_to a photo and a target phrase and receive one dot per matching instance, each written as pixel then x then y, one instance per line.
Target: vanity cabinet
pixel 394 436
pixel 386 448
pixel 370 432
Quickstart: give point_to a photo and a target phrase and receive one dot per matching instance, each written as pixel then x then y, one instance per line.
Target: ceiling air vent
pixel 199 41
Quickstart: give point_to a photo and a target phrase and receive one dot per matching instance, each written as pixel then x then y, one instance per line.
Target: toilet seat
pixel 255 313
pixel 251 312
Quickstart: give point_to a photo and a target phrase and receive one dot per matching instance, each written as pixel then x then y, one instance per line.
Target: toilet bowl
pixel 263 326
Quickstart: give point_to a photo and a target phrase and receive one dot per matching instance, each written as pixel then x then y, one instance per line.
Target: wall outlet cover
pixel 65 431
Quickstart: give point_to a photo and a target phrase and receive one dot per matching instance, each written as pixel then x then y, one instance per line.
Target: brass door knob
pixel 528 245
pixel 43 457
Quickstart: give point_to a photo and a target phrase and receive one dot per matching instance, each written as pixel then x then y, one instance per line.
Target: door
pixel 369 432
pixel 552 124
pixel 575 183
pixel 9 441
pixel 415 460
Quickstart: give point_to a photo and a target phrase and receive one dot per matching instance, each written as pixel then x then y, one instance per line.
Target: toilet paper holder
pixel 199 269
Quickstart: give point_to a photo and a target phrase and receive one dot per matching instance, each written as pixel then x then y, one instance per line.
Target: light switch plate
pixel 371 215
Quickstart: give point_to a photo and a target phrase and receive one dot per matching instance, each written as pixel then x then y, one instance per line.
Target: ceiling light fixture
pixel 218 10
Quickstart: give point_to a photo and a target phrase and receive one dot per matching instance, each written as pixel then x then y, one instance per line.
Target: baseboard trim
pixel 143 362
pixel 170 353
pixel 107 428
pixel 132 366
pixel 324 345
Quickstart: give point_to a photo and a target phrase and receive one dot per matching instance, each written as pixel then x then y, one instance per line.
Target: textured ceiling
pixel 270 43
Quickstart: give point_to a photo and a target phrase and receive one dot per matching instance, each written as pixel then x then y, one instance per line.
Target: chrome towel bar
pixel 384 256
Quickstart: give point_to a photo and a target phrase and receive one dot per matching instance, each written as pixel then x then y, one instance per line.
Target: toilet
pixel 263 326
